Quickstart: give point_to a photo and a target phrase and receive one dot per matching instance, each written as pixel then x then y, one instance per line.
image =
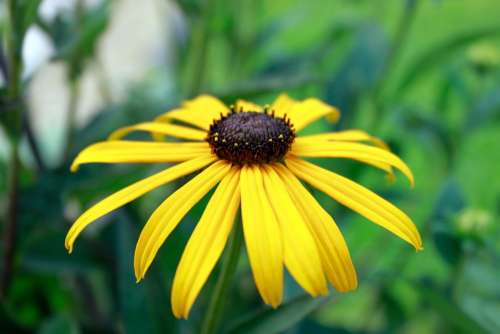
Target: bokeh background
pixel 424 75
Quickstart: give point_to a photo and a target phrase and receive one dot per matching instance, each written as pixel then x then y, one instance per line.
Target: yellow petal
pixel 347 135
pixel 199 112
pixel 332 247
pixel 160 129
pixel 132 192
pixel 355 135
pixel 350 150
pixel 305 112
pixel 185 116
pixel 262 236
pixel 168 215
pixel 299 248
pixel 243 105
pixel 206 244
pixel 359 199
pixel 206 104
pixel 282 105
pixel 122 151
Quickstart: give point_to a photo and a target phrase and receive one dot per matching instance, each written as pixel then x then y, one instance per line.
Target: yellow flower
pixel 252 153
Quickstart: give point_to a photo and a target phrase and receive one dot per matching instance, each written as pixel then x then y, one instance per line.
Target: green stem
pixel 13 121
pixel 223 284
pixel 198 50
pixel 103 83
pixel 74 96
pixel 75 70
pixel 10 229
pixel 14 64
pixel 405 22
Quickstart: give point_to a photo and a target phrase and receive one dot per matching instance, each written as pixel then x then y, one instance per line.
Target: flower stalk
pixel 198 51
pixel 13 121
pixel 71 127
pixel 406 21
pixel 223 284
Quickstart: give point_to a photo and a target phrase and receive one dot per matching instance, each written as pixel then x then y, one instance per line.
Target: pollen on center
pixel 250 137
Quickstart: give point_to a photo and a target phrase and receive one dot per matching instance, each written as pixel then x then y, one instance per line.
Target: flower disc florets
pixel 250 137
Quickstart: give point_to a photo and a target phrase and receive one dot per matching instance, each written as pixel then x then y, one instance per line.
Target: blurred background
pixel 424 75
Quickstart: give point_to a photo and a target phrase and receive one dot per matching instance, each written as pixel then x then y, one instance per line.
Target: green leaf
pixel 359 72
pixel 262 86
pixel 143 307
pixel 276 321
pixel 131 296
pixel 449 202
pixel 78 40
pixel 439 54
pixel 487 109
pixel 94 25
pixel 449 310
pixel 393 308
pixel 59 324
pixel 415 121
pixel 449 246
pixel 30 13
pixel 43 253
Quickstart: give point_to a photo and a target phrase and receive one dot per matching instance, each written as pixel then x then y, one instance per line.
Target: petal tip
pixel 333 116
pixel 114 135
pixel 74 166
pixel 274 305
pixel 348 289
pixel 412 181
pixel 68 244
pixel 390 177
pixel 180 312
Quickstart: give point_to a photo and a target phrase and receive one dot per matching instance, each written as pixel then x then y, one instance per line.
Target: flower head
pixel 253 156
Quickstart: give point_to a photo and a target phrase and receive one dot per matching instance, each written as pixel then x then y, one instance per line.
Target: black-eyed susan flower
pixel 253 157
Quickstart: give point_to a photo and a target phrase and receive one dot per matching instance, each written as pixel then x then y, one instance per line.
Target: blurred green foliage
pixel 424 75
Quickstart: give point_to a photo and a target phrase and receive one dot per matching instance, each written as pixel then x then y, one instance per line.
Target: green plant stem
pixel 103 82
pixel 10 230
pixel 223 284
pixel 75 71
pixel 14 128
pixel 198 50
pixel 404 25
pixel 74 97
pixel 14 113
pixel 33 145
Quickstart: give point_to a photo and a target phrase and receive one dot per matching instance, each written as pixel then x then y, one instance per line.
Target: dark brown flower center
pixel 249 137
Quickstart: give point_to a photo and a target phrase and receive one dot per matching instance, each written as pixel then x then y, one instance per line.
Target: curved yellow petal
pixel 347 135
pixel 206 104
pixel 122 151
pixel 355 135
pixel 132 192
pixel 206 244
pixel 359 199
pixel 168 215
pixel 305 112
pixel 243 105
pixel 160 129
pixel 299 248
pixel 185 116
pixel 350 150
pixel 332 247
pixel 282 105
pixel 199 112
pixel 262 236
